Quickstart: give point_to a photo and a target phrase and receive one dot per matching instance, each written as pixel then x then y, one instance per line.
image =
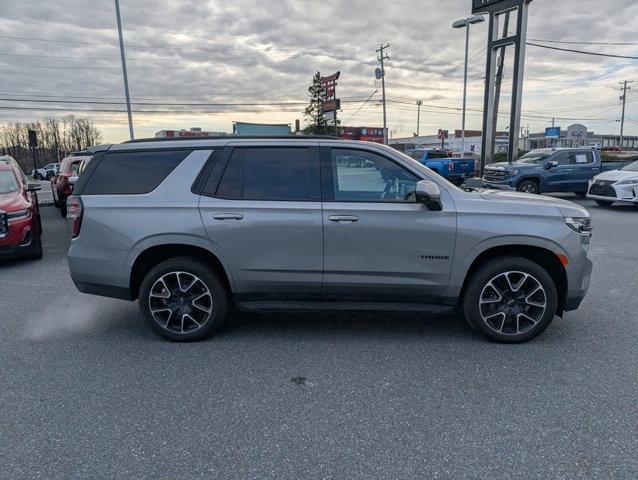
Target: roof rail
pixel 237 137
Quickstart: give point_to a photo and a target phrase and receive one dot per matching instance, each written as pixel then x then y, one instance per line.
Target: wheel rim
pixel 512 303
pixel 529 188
pixel 180 302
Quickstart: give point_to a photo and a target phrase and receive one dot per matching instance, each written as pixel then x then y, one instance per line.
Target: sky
pixel 207 63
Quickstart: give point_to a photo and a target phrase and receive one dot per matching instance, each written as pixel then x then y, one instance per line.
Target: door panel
pixel 263 213
pixel 559 178
pixel 388 248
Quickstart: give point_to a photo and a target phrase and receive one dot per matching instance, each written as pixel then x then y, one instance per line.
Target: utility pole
pixel 624 89
pixel 418 115
pixel 126 92
pixel 381 58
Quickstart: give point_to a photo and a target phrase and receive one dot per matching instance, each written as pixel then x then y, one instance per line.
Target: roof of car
pixel 236 137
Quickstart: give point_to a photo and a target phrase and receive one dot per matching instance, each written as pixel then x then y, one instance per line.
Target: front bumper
pixel 502 185
pixel 613 192
pixel 17 242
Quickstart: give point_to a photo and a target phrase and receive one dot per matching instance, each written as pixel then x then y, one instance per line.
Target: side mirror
pixel 551 164
pixel 34 187
pixel 429 194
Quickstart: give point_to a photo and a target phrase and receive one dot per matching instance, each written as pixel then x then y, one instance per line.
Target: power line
pixel 582 43
pixel 583 52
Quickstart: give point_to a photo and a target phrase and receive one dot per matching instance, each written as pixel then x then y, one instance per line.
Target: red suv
pixel 60 184
pixel 20 227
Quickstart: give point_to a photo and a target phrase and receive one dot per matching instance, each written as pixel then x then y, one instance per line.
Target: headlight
pixel 19 215
pixel 512 173
pixel 629 181
pixel 579 224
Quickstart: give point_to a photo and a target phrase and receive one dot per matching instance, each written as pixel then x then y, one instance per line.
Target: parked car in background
pixel 47 172
pixel 61 184
pixel 404 147
pixel 615 186
pixel 548 170
pixel 456 170
pixel 195 226
pixel 20 226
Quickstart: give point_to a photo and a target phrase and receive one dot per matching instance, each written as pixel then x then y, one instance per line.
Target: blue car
pixel 456 170
pixel 548 170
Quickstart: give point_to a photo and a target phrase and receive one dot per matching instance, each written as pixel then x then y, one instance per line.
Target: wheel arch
pixel 544 257
pixel 152 255
pixel 534 178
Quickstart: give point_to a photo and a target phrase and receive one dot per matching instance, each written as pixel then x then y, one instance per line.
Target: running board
pixel 265 306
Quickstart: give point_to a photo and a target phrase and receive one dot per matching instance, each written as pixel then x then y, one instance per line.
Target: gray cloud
pixel 259 52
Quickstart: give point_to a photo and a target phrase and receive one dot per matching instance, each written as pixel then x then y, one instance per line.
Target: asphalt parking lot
pixel 89 392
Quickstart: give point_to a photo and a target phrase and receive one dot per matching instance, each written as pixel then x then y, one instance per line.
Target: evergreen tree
pixel 316 123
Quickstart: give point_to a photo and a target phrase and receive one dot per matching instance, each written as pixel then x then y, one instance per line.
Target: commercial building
pixel 577 135
pixel 473 139
pixel 242 128
pixel 367 134
pixel 193 132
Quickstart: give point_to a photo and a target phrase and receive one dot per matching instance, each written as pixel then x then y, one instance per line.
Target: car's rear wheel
pixel 528 186
pixel 183 300
pixel 604 203
pixel 62 202
pixel 510 300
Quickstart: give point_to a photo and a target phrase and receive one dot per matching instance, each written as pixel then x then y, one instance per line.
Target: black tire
pixel 62 203
pixel 529 186
pixel 56 202
pixel 216 300
pixel 604 203
pixel 35 250
pixel 482 312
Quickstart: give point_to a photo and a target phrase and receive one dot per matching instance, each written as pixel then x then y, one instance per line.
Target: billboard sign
pixel 331 105
pixel 443 134
pixel 482 6
pixel 552 132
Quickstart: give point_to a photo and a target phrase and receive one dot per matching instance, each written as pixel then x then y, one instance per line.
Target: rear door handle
pixel 343 218
pixel 228 216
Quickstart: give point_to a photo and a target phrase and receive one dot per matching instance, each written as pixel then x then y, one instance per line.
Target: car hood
pixel 565 207
pixel 12 201
pixel 616 175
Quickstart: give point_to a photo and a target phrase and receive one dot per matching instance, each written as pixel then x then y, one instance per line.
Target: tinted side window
pixel 126 173
pixel 363 176
pixel 581 158
pixel 563 158
pixel 230 183
pixel 271 173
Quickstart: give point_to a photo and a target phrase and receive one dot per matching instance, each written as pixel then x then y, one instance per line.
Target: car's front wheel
pixel 528 186
pixel 510 300
pixel 183 300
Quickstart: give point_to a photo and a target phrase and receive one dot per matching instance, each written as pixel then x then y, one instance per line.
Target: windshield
pixel 8 182
pixel 533 158
pixel 632 167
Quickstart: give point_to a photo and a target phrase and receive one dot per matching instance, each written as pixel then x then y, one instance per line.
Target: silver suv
pixel 193 227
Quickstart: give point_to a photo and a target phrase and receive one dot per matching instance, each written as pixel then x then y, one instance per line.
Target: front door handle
pixel 228 216
pixel 343 218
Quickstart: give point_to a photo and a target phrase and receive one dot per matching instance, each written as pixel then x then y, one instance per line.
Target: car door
pixel 559 178
pixel 379 243
pixel 262 211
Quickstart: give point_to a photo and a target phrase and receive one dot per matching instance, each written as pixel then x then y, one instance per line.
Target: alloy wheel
pixel 512 303
pixel 180 302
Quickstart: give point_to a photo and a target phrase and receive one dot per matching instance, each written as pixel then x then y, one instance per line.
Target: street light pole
pixel 465 23
pixel 418 115
pixel 126 92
